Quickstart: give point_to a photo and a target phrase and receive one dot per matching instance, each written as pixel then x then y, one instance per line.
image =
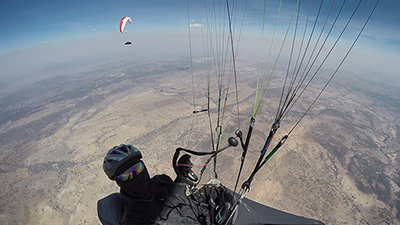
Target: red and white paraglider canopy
pixel 123 22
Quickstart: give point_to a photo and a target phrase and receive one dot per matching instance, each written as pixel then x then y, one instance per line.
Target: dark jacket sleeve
pixel 145 210
pixel 178 208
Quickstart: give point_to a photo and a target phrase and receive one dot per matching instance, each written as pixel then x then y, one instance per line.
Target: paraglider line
pixel 191 69
pixel 344 58
pixel 320 49
pixel 191 166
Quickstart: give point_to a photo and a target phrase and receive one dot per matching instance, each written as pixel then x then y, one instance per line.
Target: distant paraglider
pixel 122 23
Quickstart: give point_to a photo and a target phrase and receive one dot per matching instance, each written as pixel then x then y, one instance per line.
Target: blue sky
pixel 29 23
pixel 34 24
pixel 26 23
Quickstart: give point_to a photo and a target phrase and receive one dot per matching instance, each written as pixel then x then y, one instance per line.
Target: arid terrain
pixel 341 164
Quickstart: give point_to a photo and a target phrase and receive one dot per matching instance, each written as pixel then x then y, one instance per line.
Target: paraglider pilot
pixel 142 197
pixel 157 200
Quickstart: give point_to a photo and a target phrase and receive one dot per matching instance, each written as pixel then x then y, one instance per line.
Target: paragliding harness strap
pixel 216 199
pixel 182 173
pixel 191 182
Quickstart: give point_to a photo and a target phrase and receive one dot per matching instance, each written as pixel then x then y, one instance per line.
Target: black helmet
pixel 118 156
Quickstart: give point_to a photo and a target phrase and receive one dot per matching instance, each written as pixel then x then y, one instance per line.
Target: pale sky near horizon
pixel 29 29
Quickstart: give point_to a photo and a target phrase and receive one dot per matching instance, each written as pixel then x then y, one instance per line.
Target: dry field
pixel 340 165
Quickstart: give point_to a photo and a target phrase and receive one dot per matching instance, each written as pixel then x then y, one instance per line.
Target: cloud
pixel 196 25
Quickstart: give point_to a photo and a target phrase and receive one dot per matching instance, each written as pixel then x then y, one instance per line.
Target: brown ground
pixel 340 165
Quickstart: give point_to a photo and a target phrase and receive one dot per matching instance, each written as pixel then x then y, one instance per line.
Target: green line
pixel 260 59
pixel 284 39
pixel 260 97
pixel 257 106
